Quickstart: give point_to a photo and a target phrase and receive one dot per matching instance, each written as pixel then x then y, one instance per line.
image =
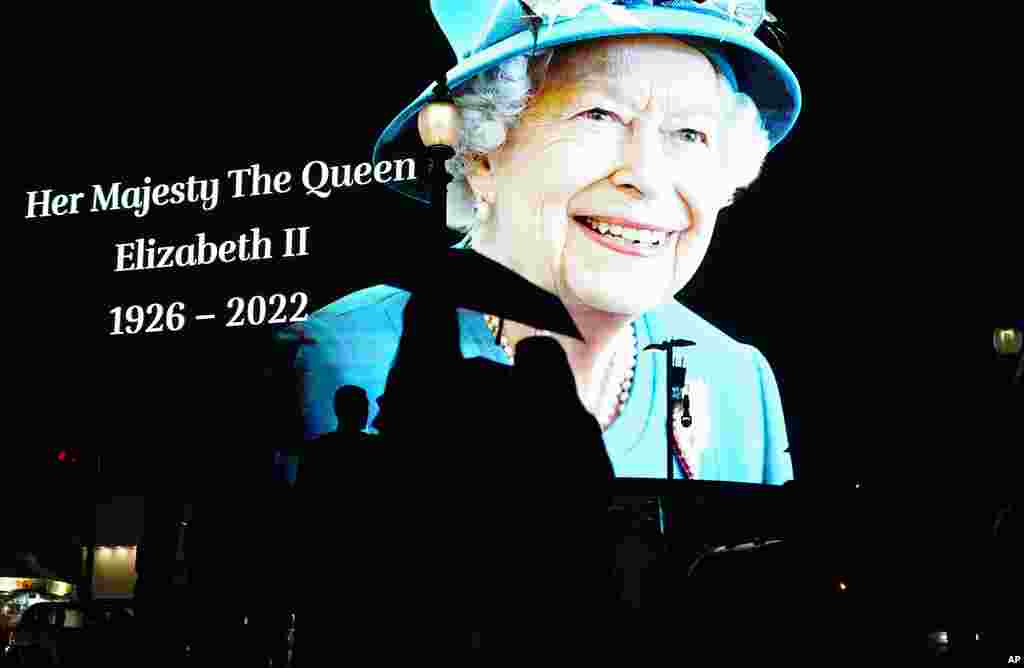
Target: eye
pixel 599 114
pixel 691 136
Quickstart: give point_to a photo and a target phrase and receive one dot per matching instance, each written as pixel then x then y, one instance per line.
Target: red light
pixel 62 455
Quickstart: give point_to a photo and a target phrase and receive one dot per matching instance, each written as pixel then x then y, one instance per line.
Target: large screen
pixel 214 265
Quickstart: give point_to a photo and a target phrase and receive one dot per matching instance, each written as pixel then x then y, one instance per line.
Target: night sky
pixel 870 263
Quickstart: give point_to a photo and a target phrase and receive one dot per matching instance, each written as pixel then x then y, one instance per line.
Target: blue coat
pixel 743 433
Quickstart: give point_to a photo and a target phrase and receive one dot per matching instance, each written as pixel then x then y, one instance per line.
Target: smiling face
pixel 607 190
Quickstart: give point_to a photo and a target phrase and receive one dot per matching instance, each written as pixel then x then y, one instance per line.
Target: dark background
pixel 870 263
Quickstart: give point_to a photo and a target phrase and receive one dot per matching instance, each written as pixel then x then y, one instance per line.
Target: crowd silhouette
pixel 518 533
pixel 479 497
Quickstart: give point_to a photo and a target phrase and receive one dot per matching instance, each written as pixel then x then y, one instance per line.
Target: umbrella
pixel 470 280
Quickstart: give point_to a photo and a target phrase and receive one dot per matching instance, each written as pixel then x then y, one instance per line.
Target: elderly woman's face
pixel 607 191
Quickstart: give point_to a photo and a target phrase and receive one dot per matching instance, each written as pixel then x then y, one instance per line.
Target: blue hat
pixel 484 33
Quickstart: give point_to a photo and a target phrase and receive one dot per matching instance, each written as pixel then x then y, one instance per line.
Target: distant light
pixel 1008 341
pixel 942 637
pixel 62 455
pixel 842 585
pixel 977 636
pixel 858 485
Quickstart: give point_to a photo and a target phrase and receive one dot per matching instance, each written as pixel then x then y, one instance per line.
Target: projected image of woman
pixel 601 140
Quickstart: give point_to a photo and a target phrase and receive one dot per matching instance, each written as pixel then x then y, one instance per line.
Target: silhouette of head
pixel 352 407
pixel 541 362
pixel 428 351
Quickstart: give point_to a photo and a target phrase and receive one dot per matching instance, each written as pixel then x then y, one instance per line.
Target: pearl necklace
pixel 623 365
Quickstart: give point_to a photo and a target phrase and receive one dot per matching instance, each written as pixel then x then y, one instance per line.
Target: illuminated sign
pixel 55 587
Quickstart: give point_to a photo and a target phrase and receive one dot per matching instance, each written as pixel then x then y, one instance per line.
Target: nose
pixel 644 172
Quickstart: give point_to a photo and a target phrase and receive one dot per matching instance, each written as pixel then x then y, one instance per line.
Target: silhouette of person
pixel 571 511
pixel 341 453
pixel 342 527
pixel 535 498
pixel 428 350
pixel 511 531
pixel 352 408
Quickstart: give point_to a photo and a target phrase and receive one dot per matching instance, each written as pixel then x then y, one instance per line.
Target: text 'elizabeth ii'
pixel 252 245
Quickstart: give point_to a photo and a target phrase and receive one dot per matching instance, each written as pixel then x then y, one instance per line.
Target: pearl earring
pixel 483 211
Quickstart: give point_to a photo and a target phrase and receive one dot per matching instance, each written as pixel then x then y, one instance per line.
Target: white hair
pixel 492 102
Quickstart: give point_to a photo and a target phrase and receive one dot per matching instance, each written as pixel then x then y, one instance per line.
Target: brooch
pixel 691 426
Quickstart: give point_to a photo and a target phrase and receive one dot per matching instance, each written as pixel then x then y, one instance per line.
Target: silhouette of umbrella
pixel 470 280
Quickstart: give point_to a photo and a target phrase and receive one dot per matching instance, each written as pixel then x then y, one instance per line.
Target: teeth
pixel 649 237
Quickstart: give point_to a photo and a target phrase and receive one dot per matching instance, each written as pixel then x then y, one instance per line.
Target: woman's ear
pixel 480 176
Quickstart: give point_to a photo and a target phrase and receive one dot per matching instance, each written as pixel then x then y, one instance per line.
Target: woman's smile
pixel 626 237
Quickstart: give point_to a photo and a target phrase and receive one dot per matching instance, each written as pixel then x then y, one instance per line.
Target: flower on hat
pixel 554 10
pixel 749 13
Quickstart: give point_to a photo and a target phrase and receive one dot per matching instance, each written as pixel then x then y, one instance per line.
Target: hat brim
pixel 760 72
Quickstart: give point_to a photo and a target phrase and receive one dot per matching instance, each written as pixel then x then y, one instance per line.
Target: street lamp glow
pixel 439 124
pixel 1007 341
